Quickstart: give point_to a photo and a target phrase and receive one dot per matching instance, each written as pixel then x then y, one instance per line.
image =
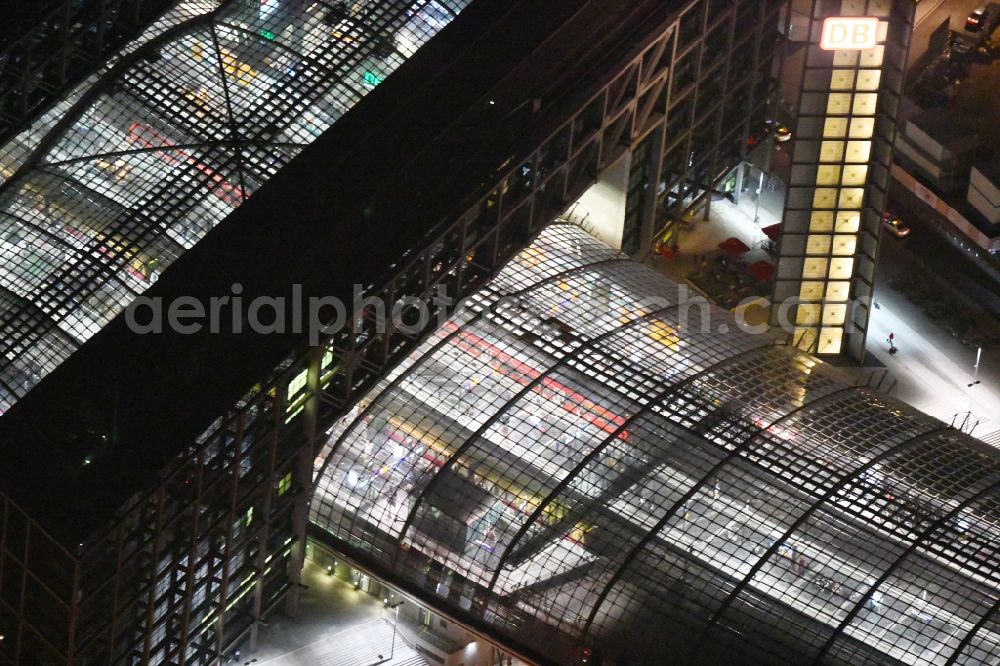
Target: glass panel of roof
pixel 622 467
pixel 191 119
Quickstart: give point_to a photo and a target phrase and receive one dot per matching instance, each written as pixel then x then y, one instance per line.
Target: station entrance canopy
pixel 575 461
pixel 138 163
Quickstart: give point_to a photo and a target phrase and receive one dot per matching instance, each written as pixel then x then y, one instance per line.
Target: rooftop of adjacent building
pixel 990 168
pixel 957 133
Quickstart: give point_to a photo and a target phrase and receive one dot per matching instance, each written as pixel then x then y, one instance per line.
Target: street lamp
pixel 975 378
pixel 395 620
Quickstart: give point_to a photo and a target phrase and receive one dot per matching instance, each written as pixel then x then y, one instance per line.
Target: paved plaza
pixel 338 626
pixel 932 371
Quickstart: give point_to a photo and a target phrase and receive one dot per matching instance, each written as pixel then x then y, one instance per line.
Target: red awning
pixel 760 271
pixel 773 231
pixel 734 247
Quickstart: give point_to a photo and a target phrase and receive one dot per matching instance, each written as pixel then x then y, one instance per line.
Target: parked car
pixel 976 20
pixel 781 133
pixel 771 128
pixel 895 225
pixel 984 19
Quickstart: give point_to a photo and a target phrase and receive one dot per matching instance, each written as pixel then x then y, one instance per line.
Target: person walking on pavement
pixel 892 344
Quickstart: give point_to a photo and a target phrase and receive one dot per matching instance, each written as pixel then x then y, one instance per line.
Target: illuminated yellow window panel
pixel 844 245
pixel 297 383
pixel 840 268
pixel 821 220
pixel 868 79
pixel 838 291
pixel 842 79
pixel 851 197
pixel 865 104
pixel 839 104
pixel 883 26
pixel 862 128
pixel 807 314
pixel 825 197
pixel 835 128
pixel 848 222
pixel 811 291
pixel 845 58
pixel 831 151
pixel 834 314
pixel 855 174
pixel 872 57
pixel 805 338
pixel 828 175
pixel 818 245
pixel 858 151
pixel 814 269
pixel 830 341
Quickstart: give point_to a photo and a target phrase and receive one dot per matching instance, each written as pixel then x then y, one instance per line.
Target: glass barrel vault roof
pixel 144 158
pixel 576 455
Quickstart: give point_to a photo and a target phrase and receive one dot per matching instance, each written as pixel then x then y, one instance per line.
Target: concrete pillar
pixel 601 209
pixel 650 226
pixel 738 190
pixel 302 469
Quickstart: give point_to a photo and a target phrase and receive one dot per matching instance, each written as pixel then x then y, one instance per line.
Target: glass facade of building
pixel 725 60
pixel 144 158
pixel 102 194
pixel 51 45
pixel 581 458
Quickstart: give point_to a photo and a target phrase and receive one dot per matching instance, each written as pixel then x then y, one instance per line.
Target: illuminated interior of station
pixel 579 454
pixel 144 158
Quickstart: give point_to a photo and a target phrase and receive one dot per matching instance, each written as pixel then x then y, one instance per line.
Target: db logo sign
pixel 841 32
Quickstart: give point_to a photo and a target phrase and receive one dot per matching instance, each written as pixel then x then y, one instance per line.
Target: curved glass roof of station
pixel 144 158
pixel 576 460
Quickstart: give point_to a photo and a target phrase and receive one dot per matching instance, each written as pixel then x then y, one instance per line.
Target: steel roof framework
pixel 567 456
pixel 280 417
pixel 160 147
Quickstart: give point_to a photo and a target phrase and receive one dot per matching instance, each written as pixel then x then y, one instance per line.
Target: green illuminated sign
pixel 266 34
pixel 372 79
